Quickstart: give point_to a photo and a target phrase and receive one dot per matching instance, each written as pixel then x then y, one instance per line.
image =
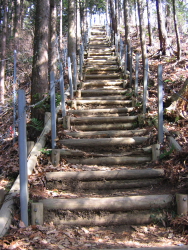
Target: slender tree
pixel 149 23
pixel 142 31
pixel 53 38
pixel 40 84
pixel 71 28
pixel 176 31
pixel 164 42
pixel 3 52
pixel 17 23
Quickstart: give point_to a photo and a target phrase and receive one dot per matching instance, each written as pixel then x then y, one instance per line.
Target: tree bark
pixel 176 31
pixel 53 43
pixel 142 31
pixel 61 26
pixel 40 84
pixel 127 30
pixel 164 43
pixel 3 53
pixel 149 24
pixel 71 29
pixel 17 23
pixel 114 19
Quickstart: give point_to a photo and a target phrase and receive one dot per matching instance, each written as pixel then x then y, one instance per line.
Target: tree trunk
pixel 53 43
pixel 61 26
pixel 127 30
pixel 113 18
pixel 40 84
pixel 142 30
pixel 71 29
pixel 3 53
pixel 17 24
pixel 177 31
pixel 149 24
pixel 164 43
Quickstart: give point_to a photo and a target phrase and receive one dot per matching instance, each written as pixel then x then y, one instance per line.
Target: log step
pixel 103 58
pixel 101 62
pixel 111 111
pixel 103 82
pixel 113 97
pixel 106 134
pixel 103 67
pixel 106 175
pixel 111 161
pixel 99 92
pixel 102 71
pixel 104 76
pixel 80 153
pixel 103 141
pixel 105 126
pixel 100 102
pixel 98 119
pixel 110 203
pixel 111 219
pixel 102 185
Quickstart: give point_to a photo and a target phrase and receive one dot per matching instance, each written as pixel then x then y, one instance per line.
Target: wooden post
pixel 131 67
pixel 160 105
pixel 78 93
pixel 47 117
pixel 66 122
pixel 136 74
pixel 145 85
pixel 155 152
pixel 74 104
pixel 37 213
pixel 30 145
pixel 125 63
pixel 182 204
pixel 55 157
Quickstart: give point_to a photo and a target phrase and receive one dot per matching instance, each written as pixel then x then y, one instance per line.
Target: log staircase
pixel 108 181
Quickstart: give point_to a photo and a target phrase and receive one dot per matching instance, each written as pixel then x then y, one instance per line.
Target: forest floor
pixel 173 232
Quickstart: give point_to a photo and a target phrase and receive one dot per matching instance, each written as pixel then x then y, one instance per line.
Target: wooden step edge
pixel 103 119
pixel 103 142
pixel 104 126
pixel 153 248
pixel 112 219
pixel 111 110
pixel 109 133
pixel 78 153
pixel 104 185
pixel 112 161
pixel 106 175
pixel 99 102
pixel 110 203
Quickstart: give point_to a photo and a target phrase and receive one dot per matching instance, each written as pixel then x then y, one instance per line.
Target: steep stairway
pixel 108 181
